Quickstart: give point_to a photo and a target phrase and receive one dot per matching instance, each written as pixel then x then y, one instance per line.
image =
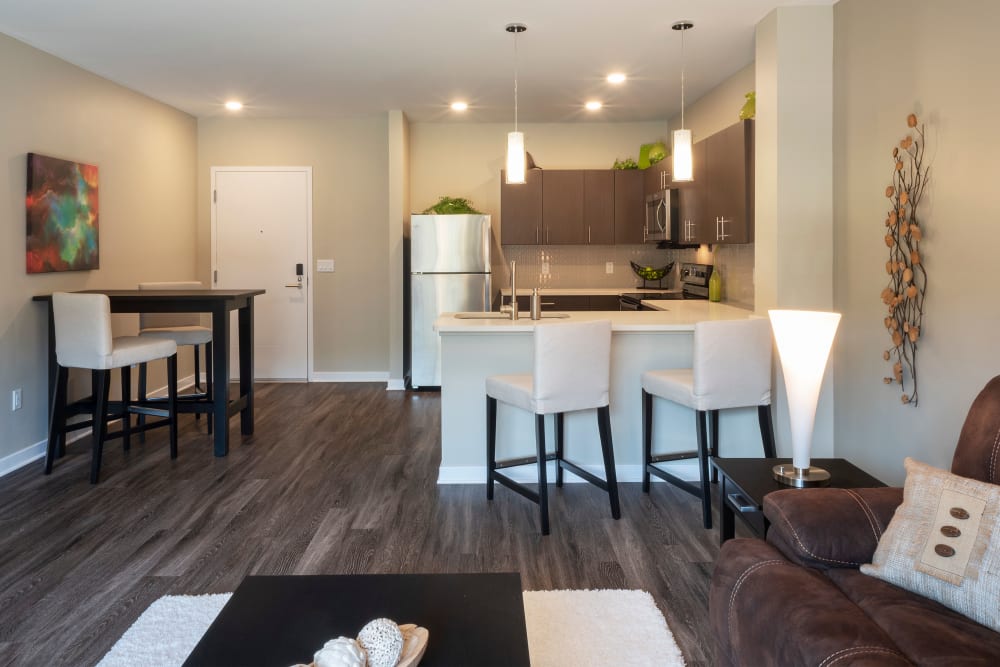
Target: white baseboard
pixel 349 376
pixel 21 458
pixel 395 384
pixel 528 474
pixel 32 453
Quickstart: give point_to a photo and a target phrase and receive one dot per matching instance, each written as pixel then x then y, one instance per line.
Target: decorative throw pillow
pixel 944 543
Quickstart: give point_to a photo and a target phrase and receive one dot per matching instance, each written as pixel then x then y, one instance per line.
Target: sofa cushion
pixel 944 542
pixel 768 611
pixel 925 631
pixel 801 520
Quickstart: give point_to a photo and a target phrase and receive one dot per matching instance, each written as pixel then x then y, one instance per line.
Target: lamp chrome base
pixel 800 477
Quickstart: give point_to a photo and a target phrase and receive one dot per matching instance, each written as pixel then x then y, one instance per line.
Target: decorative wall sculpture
pixel 904 295
pixel 62 215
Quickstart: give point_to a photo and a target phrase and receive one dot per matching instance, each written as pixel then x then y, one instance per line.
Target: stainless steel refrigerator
pixel 449 271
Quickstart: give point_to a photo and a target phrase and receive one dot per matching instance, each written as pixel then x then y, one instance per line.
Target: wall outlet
pixel 324 266
pixel 15 399
pixel 609 267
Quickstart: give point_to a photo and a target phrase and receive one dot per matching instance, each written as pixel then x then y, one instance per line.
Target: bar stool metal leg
pixel 713 439
pixel 172 402
pixel 126 372
pixel 608 452
pixel 140 396
pixel 491 444
pixel 647 438
pixel 57 420
pixel 766 430
pixel 559 448
pixel 706 498
pixel 543 492
pixel 102 387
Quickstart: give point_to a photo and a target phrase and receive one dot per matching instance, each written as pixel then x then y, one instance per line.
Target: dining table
pixel 219 303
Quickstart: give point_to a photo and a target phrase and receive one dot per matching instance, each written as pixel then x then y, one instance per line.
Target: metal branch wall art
pixel 904 295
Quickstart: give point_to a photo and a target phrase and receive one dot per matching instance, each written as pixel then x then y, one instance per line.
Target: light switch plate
pixel 609 267
pixel 324 266
pixel 545 268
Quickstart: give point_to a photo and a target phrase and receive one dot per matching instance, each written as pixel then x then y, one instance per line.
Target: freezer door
pixel 431 295
pixel 450 244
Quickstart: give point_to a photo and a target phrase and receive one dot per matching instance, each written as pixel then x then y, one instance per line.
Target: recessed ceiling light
pixel 593 105
pixel 616 77
pixel 459 106
pixel 234 105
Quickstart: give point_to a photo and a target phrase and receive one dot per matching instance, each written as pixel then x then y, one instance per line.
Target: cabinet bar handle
pixel 588 234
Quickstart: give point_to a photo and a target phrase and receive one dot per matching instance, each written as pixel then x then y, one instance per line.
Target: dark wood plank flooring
pixel 337 479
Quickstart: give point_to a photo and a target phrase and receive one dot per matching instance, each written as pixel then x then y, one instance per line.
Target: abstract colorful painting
pixel 62 215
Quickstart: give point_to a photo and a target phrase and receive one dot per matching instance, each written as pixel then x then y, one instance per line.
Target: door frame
pixel 308 171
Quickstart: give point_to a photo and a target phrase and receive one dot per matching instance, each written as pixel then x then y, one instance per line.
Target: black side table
pixel 743 483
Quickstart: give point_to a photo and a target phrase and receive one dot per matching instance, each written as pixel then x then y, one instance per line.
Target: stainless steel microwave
pixel 662 216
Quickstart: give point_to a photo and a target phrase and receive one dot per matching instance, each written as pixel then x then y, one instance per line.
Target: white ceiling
pixel 349 57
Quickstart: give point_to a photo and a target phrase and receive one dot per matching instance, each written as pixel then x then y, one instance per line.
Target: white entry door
pixel 261 223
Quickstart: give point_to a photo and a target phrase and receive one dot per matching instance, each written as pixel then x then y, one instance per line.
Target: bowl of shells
pixel 381 643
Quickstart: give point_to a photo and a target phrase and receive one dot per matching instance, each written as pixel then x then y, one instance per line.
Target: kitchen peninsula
pixel 472 349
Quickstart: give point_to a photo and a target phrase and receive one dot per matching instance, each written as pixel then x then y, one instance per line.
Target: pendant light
pixel 683 167
pixel 515 140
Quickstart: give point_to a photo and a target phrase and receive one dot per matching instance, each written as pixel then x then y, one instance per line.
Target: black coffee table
pixel 743 483
pixel 473 619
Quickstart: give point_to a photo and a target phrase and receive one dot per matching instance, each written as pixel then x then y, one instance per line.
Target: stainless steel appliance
pixel 694 280
pixel 662 216
pixel 694 285
pixel 449 271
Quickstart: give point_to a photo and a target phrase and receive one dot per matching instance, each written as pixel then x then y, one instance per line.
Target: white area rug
pixel 578 628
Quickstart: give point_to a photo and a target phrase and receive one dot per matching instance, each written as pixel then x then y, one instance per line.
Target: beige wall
pixel 349 158
pixel 943 71
pixel 145 152
pixel 718 108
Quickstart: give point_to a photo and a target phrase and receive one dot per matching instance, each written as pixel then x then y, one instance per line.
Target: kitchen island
pixel 472 349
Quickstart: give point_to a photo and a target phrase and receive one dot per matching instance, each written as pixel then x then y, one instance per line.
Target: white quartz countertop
pixel 587 291
pixel 670 316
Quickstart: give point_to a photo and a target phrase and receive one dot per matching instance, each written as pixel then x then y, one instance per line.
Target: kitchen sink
pixel 493 315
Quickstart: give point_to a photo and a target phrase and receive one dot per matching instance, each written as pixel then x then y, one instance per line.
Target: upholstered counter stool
pixel 731 369
pixel 185 329
pixel 571 371
pixel 84 340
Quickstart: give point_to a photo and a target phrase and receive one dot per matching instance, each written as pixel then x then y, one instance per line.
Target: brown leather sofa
pixel 799 598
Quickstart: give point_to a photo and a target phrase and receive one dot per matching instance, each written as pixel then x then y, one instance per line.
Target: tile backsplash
pixel 584 266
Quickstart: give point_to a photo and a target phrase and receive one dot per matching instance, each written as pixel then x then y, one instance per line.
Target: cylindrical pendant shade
pixel 683 167
pixel 804 339
pixel 515 158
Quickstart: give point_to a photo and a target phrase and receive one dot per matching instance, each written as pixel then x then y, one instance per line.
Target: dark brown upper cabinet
pixel 521 210
pixel 717 207
pixel 599 206
pixel 630 205
pixel 657 177
pixel 562 207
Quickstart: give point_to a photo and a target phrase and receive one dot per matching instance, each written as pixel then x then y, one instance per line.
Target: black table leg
pixel 727 519
pixel 246 366
pixel 220 378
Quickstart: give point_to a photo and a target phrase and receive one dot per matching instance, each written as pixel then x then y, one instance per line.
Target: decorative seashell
pixel 414 644
pixel 383 641
pixel 340 652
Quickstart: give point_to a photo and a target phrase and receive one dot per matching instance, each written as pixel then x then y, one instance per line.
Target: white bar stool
pixel 83 340
pixel 572 363
pixel 183 329
pixel 731 369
